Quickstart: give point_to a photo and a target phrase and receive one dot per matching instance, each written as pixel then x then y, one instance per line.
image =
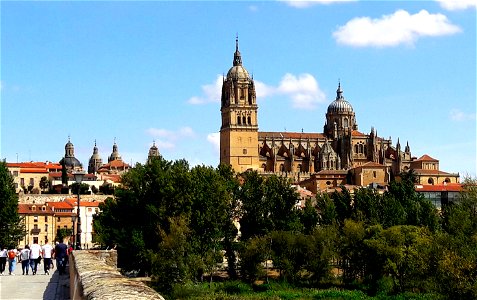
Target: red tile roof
pixel 370 164
pixel 357 133
pixel 450 187
pixel 62 204
pixel 430 172
pixel 426 157
pixel 27 209
pixel 290 135
pixel 33 170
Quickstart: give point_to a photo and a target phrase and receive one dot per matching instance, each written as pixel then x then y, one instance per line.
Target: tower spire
pixel 237 56
pixel 339 91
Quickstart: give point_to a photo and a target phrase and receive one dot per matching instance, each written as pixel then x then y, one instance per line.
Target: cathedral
pixel 341 154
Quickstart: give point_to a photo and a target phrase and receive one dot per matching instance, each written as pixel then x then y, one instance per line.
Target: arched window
pixel 264 167
pixel 244 120
pixel 360 148
pixel 447 180
pixel 345 122
pixel 328 182
pixel 239 120
pixel 356 148
pixel 249 120
pixel 430 181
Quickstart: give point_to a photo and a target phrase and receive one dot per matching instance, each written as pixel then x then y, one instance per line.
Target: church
pixel 340 155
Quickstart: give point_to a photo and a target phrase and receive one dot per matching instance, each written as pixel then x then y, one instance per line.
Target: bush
pixel 235 288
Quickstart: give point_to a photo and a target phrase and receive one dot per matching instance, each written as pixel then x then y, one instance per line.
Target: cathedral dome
pixel 340 105
pixel 71 162
pixel 238 72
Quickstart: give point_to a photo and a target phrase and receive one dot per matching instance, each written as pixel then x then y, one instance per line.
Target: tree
pixel 44 183
pixel 12 228
pixel 63 233
pixel 83 188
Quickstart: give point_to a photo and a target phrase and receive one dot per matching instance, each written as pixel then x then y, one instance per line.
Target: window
pixel 239 120
pixel 32 181
pixel 35 226
pixel 430 181
pixel 46 218
pixel 15 173
pixel 22 181
pixel 90 209
pixel 59 219
pixel 46 227
pixel 244 151
pixel 35 218
pixel 249 120
pixel 35 240
pixel 374 174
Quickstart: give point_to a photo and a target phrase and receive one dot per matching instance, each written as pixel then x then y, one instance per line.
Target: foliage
pixel 12 228
pixel 83 188
pixel 62 233
pixel 106 189
pixel 44 183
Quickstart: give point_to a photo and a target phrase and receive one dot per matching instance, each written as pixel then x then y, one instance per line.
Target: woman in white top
pixel 3 260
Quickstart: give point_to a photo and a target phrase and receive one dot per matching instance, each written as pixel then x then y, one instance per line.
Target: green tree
pixel 12 228
pixel 402 253
pixel 44 183
pixel 83 188
pixel 63 233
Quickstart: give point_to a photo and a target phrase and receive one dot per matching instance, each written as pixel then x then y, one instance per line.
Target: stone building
pixel 71 163
pixel 341 154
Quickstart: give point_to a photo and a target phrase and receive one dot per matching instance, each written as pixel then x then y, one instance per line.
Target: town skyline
pixel 134 73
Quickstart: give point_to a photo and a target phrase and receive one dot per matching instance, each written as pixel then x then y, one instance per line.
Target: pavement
pixel 33 287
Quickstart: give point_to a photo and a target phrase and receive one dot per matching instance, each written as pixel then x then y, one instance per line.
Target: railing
pixel 35 231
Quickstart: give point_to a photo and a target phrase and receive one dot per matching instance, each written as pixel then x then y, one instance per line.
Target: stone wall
pixel 42 198
pixel 94 275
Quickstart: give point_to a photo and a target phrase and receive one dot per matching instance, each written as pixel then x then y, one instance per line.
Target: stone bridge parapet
pixel 94 275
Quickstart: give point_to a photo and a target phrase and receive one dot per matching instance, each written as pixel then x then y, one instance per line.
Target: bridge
pixel 92 274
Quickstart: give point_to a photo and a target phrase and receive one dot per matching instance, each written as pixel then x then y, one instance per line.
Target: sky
pixel 135 73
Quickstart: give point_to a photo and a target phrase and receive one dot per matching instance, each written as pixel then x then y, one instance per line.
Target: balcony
pixel 35 231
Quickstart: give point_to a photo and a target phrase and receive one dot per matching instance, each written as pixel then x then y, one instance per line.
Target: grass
pixel 236 290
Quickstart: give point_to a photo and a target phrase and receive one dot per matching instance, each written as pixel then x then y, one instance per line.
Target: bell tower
pixel 239 130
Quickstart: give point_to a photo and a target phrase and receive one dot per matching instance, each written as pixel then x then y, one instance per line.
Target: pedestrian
pixel 61 254
pixel 3 260
pixel 47 251
pixel 25 259
pixel 35 257
pixel 12 260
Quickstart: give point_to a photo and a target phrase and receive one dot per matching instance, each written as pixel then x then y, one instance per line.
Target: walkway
pixel 33 287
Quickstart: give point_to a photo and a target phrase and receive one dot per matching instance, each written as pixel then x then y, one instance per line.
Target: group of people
pixel 31 256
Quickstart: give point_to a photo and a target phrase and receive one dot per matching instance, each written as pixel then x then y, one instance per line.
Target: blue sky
pixel 138 72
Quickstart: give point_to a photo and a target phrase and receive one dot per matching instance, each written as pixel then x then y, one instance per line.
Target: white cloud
pixel 253 8
pixel 303 89
pixel 211 92
pixel 392 30
pixel 308 3
pixel 457 4
pixel 458 115
pixel 166 139
pixel 214 139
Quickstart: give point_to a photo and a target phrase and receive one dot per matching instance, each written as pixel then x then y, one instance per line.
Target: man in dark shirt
pixel 61 257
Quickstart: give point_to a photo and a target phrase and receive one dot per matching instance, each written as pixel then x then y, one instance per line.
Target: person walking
pixel 35 257
pixel 61 254
pixel 3 260
pixel 47 251
pixel 12 260
pixel 25 259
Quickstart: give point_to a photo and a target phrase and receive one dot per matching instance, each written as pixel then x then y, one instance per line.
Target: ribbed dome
pixel 340 105
pixel 238 72
pixel 71 162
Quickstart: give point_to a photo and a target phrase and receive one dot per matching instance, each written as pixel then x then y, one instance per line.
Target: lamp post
pixel 79 175
pixel 72 235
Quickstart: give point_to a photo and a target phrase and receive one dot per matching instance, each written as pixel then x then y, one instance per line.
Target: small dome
pixel 238 72
pixel 71 162
pixel 340 105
